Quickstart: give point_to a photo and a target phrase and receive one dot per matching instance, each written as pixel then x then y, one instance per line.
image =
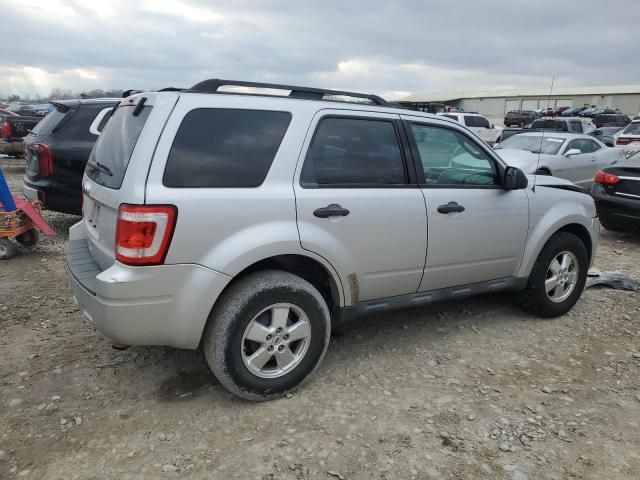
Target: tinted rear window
pixel 48 123
pixel 115 146
pixel 217 147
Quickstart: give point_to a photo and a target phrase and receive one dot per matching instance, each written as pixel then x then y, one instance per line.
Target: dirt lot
pixel 474 389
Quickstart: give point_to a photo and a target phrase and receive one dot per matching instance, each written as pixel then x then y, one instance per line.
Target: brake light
pixel 626 140
pixel 45 159
pixel 5 129
pixel 144 232
pixel 606 178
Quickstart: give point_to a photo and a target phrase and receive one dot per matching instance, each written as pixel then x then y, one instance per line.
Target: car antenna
pixel 535 173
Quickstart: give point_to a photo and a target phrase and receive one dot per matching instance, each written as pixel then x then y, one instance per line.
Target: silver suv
pixel 250 223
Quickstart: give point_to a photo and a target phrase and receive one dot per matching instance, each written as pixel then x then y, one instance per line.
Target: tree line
pixel 60 94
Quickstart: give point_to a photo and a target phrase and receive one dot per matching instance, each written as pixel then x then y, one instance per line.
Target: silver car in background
pixel 571 156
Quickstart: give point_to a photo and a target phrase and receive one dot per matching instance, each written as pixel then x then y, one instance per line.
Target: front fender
pixel 551 214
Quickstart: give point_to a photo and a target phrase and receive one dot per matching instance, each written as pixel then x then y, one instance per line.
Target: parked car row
pixel 13 127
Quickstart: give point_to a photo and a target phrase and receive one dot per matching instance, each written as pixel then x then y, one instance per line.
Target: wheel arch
pixel 541 235
pixel 321 276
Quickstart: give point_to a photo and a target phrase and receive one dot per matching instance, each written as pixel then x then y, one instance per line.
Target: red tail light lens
pixel 143 233
pixel 5 129
pixel 45 159
pixel 626 140
pixel 606 178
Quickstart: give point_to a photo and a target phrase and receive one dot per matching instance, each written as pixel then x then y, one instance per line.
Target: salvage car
pixel 478 124
pixel 610 120
pixel 57 150
pixel 566 155
pixel 248 224
pixel 13 128
pixel 629 138
pixel 519 118
pixel 616 191
pixel 570 125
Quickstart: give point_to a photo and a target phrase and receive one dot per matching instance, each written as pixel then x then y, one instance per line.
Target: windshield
pixel 534 144
pixel 110 155
pixel 632 129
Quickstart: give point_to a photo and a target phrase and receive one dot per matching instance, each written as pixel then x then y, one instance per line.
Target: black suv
pixel 519 118
pixel 57 150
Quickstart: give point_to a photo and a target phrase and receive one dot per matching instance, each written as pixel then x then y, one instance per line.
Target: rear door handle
pixel 451 207
pixel 333 210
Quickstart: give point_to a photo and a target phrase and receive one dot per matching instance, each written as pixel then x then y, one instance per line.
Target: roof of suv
pixel 319 97
pixel 85 101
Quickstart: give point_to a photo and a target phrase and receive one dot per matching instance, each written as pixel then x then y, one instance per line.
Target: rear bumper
pixel 154 305
pixel 56 197
pixel 618 211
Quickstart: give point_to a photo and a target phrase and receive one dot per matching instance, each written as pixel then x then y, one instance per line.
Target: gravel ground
pixel 472 389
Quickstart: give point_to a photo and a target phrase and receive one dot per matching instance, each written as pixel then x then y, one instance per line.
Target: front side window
pixel 350 151
pixel 582 144
pixel 450 158
pixel 219 147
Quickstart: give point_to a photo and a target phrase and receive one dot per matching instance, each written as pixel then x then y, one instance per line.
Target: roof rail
pixel 212 86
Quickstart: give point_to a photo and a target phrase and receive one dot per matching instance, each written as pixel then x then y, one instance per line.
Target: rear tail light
pixel 5 129
pixel 606 178
pixel 143 233
pixel 45 159
pixel 626 140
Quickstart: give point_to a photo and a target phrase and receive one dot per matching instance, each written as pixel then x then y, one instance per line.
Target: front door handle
pixel 333 210
pixel 451 207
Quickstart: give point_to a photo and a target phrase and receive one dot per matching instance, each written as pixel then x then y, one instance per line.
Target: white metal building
pixel 498 102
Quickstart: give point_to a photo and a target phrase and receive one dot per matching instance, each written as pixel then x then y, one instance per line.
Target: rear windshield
pixel 110 155
pixel 48 123
pixel 632 129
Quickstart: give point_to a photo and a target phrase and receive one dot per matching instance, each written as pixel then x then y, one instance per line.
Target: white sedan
pixel 571 156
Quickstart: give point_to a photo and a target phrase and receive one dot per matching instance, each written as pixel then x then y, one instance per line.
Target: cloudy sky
pixel 386 47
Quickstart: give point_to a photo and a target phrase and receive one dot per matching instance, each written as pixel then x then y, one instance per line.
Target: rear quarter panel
pixel 229 229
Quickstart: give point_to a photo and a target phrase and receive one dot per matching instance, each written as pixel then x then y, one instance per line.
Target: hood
pixel 547 181
pixel 522 159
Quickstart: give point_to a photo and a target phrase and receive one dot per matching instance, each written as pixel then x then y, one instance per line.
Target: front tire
pixel 28 238
pixel 558 276
pixel 267 334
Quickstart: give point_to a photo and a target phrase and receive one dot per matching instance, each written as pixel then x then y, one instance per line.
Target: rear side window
pixel 110 155
pixel 353 152
pixel 217 147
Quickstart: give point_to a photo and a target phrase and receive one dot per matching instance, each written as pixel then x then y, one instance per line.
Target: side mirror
pixel 572 151
pixel 491 126
pixel 514 179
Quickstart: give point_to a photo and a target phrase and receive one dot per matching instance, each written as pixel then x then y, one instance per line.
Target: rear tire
pixel 264 316
pixel 540 296
pixel 7 249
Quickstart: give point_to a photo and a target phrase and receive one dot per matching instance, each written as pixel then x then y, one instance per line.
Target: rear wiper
pixel 101 167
